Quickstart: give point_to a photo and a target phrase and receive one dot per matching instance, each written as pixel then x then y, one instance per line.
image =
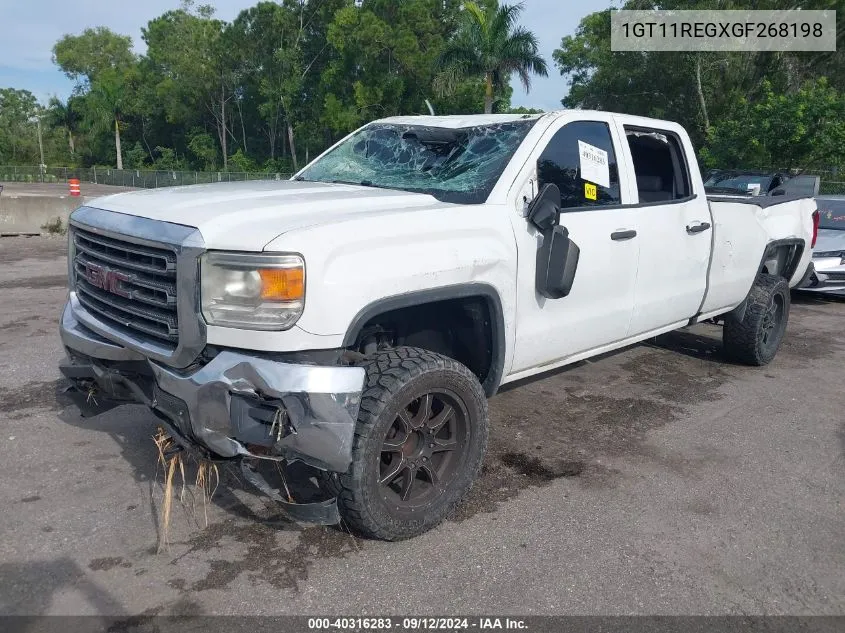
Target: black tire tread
pixel 740 338
pixel 387 371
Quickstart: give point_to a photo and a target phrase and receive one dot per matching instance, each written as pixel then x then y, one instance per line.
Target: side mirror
pixel 544 210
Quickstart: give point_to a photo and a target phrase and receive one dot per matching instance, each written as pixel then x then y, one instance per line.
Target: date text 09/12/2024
pixel 415 624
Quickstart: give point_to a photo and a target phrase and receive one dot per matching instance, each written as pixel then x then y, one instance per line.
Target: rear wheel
pixel 756 338
pixel 419 444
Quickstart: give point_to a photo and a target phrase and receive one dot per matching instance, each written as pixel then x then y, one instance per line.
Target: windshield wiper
pixel 360 183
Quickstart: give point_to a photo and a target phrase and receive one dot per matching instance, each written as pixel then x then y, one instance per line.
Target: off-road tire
pixel 393 378
pixel 756 338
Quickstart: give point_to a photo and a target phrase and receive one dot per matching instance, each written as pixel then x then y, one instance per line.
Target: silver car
pixel 827 272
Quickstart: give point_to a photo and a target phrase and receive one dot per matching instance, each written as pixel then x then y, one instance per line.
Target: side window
pixel 659 164
pixel 580 160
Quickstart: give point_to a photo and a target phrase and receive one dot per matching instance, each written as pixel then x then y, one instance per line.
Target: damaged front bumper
pixel 235 405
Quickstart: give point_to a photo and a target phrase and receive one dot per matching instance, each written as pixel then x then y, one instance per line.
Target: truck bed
pixel 745 228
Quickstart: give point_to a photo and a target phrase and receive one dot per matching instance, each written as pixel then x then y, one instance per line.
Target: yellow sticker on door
pixel 590 192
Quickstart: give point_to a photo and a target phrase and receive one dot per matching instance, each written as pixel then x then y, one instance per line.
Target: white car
pixel 357 317
pixel 827 272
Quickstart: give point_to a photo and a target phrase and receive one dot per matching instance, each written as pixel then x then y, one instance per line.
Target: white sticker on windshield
pixel 594 165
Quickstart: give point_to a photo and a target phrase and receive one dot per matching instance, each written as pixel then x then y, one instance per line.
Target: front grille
pixel 836 275
pixel 129 286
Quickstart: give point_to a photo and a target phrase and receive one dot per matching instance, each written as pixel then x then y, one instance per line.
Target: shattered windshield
pixel 453 165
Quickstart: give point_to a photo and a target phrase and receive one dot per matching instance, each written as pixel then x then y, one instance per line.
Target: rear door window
pixel 660 165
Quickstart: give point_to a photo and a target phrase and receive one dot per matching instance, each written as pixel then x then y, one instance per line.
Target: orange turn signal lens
pixel 282 284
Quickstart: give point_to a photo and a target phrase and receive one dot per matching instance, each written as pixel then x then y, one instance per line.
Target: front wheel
pixel 419 443
pixel 756 338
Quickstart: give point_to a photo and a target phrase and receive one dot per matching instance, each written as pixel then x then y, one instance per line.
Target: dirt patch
pixel 177 583
pixel 36 283
pixel 810 344
pixel 105 564
pixel 563 424
pixel 34 395
pixel 265 559
pixel 16 249
pixel 701 507
pixel 18 324
pixel 539 473
pixel 676 379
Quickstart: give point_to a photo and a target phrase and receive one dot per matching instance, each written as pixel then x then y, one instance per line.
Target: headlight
pixel 252 291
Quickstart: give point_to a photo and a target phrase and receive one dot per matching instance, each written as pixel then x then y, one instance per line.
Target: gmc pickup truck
pixel 357 317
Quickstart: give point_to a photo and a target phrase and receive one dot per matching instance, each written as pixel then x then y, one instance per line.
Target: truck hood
pixel 247 216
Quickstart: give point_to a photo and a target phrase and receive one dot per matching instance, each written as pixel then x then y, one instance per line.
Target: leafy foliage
pixel 490 45
pixel 805 128
pixel 745 109
pixel 286 79
pixel 276 86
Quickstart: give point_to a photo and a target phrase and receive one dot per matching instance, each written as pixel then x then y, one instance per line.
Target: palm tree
pixel 107 102
pixel 63 115
pixel 489 43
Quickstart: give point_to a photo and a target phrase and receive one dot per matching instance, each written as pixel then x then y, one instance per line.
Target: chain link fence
pixel 832 187
pixel 832 183
pixel 141 178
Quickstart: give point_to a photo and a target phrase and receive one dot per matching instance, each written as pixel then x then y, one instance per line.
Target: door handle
pixel 697 227
pixel 618 236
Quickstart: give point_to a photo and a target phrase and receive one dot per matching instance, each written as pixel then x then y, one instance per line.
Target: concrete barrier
pixel 40 208
pixel 35 215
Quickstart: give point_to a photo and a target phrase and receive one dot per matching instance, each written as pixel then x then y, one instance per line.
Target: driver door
pixel 580 158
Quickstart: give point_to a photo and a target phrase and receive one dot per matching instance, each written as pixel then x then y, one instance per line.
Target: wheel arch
pixel 786 253
pixel 475 290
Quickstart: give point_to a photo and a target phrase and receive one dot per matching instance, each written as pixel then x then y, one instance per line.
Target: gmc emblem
pixel 107 279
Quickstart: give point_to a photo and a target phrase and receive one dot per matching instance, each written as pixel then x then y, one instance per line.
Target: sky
pixel 30 29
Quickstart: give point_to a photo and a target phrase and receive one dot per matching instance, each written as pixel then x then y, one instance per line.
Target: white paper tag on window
pixel 594 165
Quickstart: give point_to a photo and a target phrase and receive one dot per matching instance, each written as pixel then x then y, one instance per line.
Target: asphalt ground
pixel 656 480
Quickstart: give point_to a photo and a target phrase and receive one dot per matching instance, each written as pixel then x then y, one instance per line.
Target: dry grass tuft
pixel 171 457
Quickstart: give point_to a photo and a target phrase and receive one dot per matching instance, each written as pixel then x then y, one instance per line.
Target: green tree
pixel 109 100
pixel 201 145
pixel 646 83
pixel 84 57
pixel 194 69
pixel 103 65
pixel 695 89
pixel 63 115
pixel 804 129
pixel 490 44
pixel 18 140
pixel 136 157
pixel 281 50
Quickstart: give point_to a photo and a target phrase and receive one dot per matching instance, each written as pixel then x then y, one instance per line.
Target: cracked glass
pixel 459 165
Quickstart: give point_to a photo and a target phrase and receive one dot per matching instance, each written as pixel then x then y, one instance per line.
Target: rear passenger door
pixel 674 230
pixel 580 157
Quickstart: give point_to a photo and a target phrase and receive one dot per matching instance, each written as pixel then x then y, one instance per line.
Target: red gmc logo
pixel 106 279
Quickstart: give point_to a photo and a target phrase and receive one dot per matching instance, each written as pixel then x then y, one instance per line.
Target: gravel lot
pixel 656 480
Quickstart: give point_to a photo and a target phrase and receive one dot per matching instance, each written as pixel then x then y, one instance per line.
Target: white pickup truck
pixel 357 317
